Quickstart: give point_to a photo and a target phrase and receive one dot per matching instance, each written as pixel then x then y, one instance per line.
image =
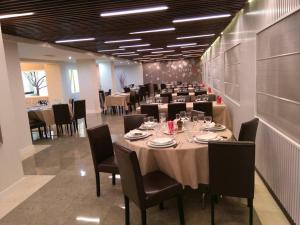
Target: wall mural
pixel 187 70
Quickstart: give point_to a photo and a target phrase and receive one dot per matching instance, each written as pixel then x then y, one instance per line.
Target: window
pixel 73 76
pixel 35 83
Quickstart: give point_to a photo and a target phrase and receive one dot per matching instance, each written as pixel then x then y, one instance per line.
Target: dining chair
pixel 212 97
pixel 206 107
pixel 62 117
pixel 175 108
pixel 102 150
pixel 145 191
pixel 132 122
pixel 150 110
pixel 231 172
pixel 163 86
pixel 183 93
pixel 37 124
pixel 168 95
pixel 248 130
pixel 79 112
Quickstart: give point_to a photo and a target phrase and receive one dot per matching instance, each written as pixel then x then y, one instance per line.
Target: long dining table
pixel 220 112
pixel 121 100
pixel 187 162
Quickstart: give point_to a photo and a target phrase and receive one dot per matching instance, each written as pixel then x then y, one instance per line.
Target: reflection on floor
pixel 70 198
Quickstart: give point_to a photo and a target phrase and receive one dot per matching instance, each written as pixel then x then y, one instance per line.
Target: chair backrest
pixel 132 122
pixel 126 89
pixel 186 98
pixel 183 93
pixel 162 99
pixel 169 95
pixel 150 110
pixel 198 114
pixel 175 108
pixel 212 97
pixel 79 109
pixel 132 180
pixel 61 113
pixel 231 168
pixel 205 107
pixel 248 130
pixel 163 86
pixel 100 143
pixel 200 92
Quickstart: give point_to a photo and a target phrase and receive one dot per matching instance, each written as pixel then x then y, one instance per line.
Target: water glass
pixel 183 115
pixel 146 119
pixel 207 119
pixel 151 119
pixel 162 117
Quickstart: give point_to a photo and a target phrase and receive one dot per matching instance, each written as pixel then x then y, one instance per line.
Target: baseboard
pixel 285 212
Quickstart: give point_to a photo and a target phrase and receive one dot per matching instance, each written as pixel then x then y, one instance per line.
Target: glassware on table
pixel 188 131
pixel 207 119
pixel 188 116
pixel 178 116
pixel 156 127
pixel 183 114
pixel 146 120
pixel 162 117
pixel 195 120
pixel 151 119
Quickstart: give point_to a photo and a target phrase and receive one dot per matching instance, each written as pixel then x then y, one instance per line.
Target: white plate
pixel 130 135
pixel 167 132
pixel 161 146
pixel 162 141
pixel 215 128
pixel 206 137
pixel 205 142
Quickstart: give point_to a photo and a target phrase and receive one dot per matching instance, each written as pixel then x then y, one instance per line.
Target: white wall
pixel 105 76
pixel 10 163
pixel 65 67
pixel 132 72
pixel 278 156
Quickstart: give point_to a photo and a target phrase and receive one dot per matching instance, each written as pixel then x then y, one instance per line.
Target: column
pixel 10 164
pixel 113 77
pixel 89 83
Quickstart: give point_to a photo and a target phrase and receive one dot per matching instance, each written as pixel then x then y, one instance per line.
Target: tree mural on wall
pixel 122 79
pixel 35 81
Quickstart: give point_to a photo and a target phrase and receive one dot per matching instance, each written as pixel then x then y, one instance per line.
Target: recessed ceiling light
pixel 123 53
pixel 111 50
pixel 195 36
pixel 135 46
pixel 201 18
pixel 154 31
pixel 75 40
pixel 163 51
pixel 134 11
pixel 7 16
pixel 195 46
pixel 180 45
pixel 70 57
pixel 123 40
pixel 128 55
pixel 149 49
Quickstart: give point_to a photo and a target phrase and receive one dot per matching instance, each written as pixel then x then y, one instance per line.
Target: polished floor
pixel 70 197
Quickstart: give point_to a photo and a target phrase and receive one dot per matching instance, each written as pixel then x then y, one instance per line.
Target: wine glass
pixel 188 131
pixel 183 115
pixel 151 119
pixel 195 120
pixel 207 119
pixel 162 117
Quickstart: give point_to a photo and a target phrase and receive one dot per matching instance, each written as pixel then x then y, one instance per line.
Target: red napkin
pixel 209 89
pixel 219 99
pixel 171 126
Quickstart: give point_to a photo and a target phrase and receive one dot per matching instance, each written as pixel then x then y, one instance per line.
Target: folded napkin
pixel 207 136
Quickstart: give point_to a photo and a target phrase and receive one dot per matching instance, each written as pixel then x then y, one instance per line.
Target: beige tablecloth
pixel 117 100
pixel 190 89
pixel 175 94
pixel 220 112
pixel 187 163
pixel 44 114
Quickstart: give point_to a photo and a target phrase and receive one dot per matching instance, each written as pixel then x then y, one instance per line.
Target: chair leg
pixel 250 205
pixel 161 206
pixel 40 133
pixel 71 129
pixel 85 122
pixel 212 212
pixel 127 214
pixel 98 183
pixel 113 179
pixel 45 131
pixel 31 135
pixel 143 217
pixel 57 130
pixel 180 210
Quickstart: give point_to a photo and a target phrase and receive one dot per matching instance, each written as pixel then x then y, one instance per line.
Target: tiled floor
pixel 70 198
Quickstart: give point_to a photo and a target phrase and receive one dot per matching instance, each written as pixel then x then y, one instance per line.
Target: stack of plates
pixel 204 138
pixel 163 142
pixel 136 134
pixel 215 127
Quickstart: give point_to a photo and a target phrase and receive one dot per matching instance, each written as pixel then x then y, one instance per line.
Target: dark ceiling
pixel 69 19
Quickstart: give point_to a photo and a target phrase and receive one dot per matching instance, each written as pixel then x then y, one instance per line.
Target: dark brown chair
pixel 231 172
pixel 132 122
pixel 206 107
pixel 102 150
pixel 163 86
pixel 169 95
pixel 150 110
pixel 183 93
pixel 145 191
pixel 37 124
pixel 175 108
pixel 79 112
pixel 212 97
pixel 248 130
pixel 62 117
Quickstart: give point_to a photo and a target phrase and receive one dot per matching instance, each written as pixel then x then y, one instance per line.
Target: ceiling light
pixel 70 57
pixel 135 46
pixel 124 40
pixel 111 50
pixel 201 18
pixel 7 16
pixel 180 45
pixel 173 55
pixel 195 46
pixel 75 40
pixel 154 31
pixel 128 55
pixel 123 53
pixel 149 49
pixel 195 36
pixel 134 11
pixel 163 51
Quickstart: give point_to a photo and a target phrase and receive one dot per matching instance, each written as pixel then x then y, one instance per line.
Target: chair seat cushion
pixel 159 187
pixel 108 165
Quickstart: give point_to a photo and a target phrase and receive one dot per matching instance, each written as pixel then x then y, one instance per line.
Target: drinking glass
pixel 195 120
pixel 146 119
pixel 188 116
pixel 183 115
pixel 188 131
pixel 151 118
pixel 178 116
pixel 207 119
pixel 162 117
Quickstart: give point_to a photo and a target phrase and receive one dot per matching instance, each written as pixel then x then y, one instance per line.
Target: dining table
pixel 187 162
pixel 221 113
pixel 42 113
pixel 118 99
